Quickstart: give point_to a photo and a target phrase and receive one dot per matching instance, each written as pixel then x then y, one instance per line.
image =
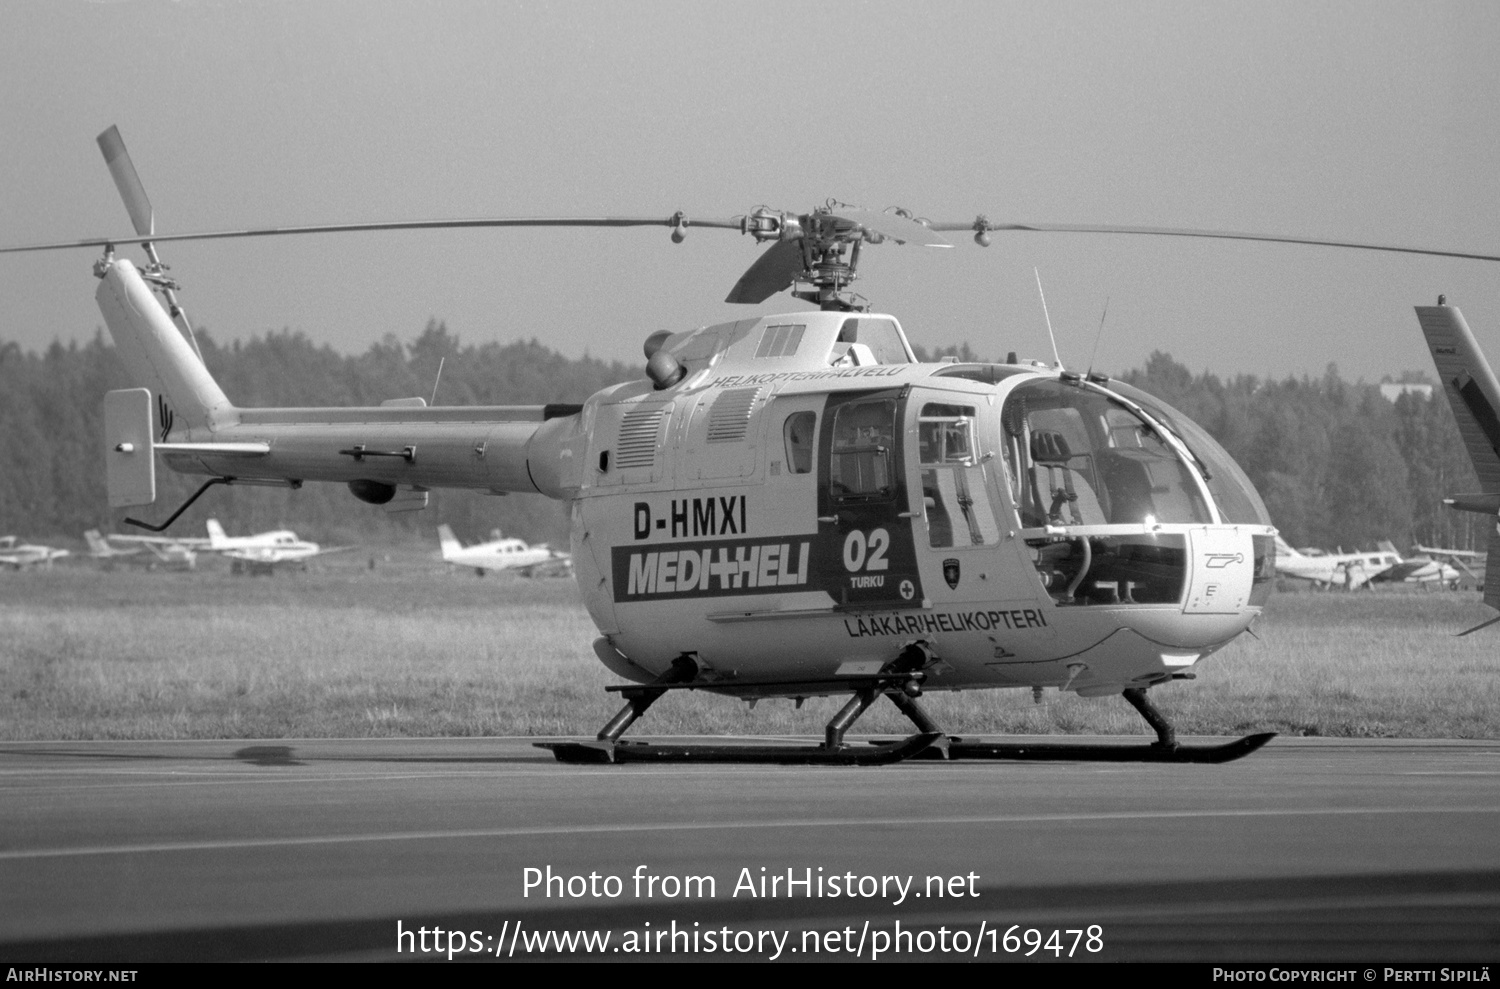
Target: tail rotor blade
pixel 777 268
pixel 127 181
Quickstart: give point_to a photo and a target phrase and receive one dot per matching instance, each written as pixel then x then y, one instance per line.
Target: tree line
pixel 1337 464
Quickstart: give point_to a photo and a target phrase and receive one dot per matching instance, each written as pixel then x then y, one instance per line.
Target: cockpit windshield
pixel 1076 456
pixel 1232 491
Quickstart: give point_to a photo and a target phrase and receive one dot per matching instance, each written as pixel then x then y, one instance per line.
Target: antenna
pixel 1099 336
pixel 435 380
pixel 1047 317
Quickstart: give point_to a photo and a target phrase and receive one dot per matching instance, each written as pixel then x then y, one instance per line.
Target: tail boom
pixel 401 446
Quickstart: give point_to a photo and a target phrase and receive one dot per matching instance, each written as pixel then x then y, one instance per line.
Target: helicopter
pixel 789 505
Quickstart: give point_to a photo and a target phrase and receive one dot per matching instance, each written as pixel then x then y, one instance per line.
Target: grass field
pixel 411 649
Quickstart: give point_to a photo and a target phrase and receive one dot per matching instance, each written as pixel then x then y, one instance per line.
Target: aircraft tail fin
pixel 1386 546
pixel 217 537
pixel 1284 549
pixel 1474 393
pixel 97 544
pixel 1492 570
pixel 1491 581
pixel 448 541
pixel 1471 387
pixel 156 354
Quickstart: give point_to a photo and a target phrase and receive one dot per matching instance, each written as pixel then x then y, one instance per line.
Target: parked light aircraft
pixel 1471 565
pixel 1346 570
pixel 1421 569
pixel 18 555
pixel 503 553
pixel 147 551
pixel 791 505
pixel 263 552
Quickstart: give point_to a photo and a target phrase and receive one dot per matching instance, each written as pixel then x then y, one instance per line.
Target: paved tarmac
pixel 1365 851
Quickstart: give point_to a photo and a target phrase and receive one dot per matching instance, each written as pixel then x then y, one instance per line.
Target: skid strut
pixel 1166 737
pixel 902 678
pixel 638 699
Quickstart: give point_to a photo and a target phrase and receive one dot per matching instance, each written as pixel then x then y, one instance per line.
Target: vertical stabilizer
pixel 1492 570
pixel 217 538
pixel 1473 392
pixel 155 353
pixel 1470 385
pixel 448 541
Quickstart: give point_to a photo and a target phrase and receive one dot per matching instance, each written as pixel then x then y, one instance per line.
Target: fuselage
pixel 780 516
pixel 793 499
pixel 1351 570
pixel 504 553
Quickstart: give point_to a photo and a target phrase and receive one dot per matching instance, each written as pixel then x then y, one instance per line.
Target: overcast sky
pixel 1354 121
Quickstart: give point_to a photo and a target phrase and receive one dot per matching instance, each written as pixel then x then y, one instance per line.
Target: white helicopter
pixel 503 553
pixel 790 505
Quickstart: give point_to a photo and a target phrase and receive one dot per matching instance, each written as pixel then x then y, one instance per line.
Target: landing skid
pixel 1064 752
pixel 882 754
pixel 901 681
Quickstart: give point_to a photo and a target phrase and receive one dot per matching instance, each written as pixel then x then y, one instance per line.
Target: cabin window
pixel 1236 497
pixel 1112 570
pixel 800 434
pixel 780 340
pixel 1078 457
pixel 863 340
pixel 956 501
pixel 864 435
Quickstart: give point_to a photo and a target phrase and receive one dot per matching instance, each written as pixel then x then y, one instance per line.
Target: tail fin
pixel 1474 393
pixel 1492 570
pixel 1386 546
pixel 155 353
pixel 1283 549
pixel 217 538
pixel 97 544
pixel 1470 385
pixel 448 541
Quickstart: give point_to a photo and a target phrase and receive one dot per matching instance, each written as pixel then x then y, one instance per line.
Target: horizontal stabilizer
pixel 1484 504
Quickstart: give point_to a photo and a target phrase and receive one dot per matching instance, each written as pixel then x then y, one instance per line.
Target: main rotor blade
pixel 1072 228
pixel 777 268
pixel 331 228
pixel 901 229
pixel 137 204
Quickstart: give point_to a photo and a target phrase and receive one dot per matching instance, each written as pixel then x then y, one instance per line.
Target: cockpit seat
pixel 1060 482
pixel 1127 478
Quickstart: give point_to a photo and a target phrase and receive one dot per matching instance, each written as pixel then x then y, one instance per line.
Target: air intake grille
pixel 730 417
pixel 637 447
